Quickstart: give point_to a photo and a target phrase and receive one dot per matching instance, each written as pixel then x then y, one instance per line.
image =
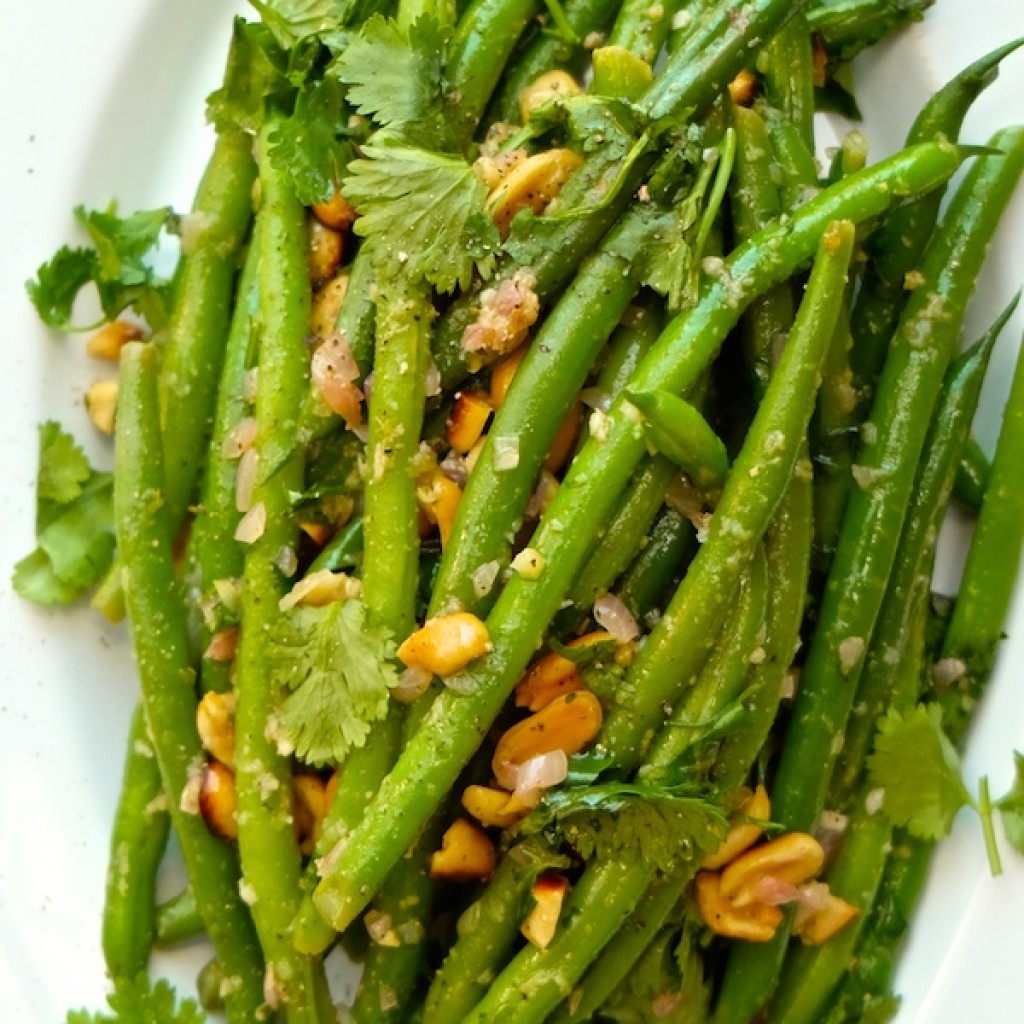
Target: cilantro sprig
pixel 918 773
pixel 339 669
pixel 138 1001
pixel 74 523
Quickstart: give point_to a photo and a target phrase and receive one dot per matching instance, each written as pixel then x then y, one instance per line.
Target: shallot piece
pixel 245 481
pixel 251 526
pixel 611 614
pixel 335 371
pixel 539 773
pixel 412 683
pixel 775 892
pixel 506 315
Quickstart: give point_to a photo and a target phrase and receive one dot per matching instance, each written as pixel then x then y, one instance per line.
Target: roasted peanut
pixel 336 213
pixel 531 185
pixel 493 170
pixel 323 315
pixel 215 721
pixel 325 250
pixel 553 675
pixel 552 85
pixel 493 808
pixel 101 404
pixel 549 893
pixel 568 724
pixel 754 923
pixel 108 341
pixel 438 498
pixel 320 588
pixel 468 420
pixel 466 854
pixel 815 926
pixel 742 835
pixel 309 807
pixel 502 374
pixel 793 858
pixel 564 440
pixel 743 88
pixel 218 800
pixel 446 643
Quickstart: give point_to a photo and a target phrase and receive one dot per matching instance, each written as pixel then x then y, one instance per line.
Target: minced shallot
pixel 537 774
pixel 335 371
pixel 611 614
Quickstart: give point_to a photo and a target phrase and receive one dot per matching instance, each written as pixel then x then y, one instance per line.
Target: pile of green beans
pixel 775 416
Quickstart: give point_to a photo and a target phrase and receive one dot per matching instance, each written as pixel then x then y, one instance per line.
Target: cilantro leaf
pixel 293 20
pixel 919 771
pixel 137 1001
pixel 339 670
pixel 254 72
pixel 1011 807
pixel 422 212
pixel 309 145
pixel 116 265
pixel 629 821
pixel 74 524
pixel 395 77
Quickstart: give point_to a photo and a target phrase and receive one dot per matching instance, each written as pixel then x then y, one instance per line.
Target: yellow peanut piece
pixel 323 315
pixel 492 170
pixel 108 341
pixel 564 440
pixel 568 723
pixel 493 808
pixel 552 85
pixel 336 213
pixel 318 533
pixel 325 250
pixel 101 405
pixel 438 497
pixel 742 835
pixel 553 676
pixel 218 800
pixel 754 923
pixel 446 643
pixel 502 374
pixel 309 808
pixel 319 588
pixel 794 858
pixel 466 854
pixel 743 88
pixel 468 420
pixel 814 927
pixel 215 721
pixel 531 185
pixel 549 894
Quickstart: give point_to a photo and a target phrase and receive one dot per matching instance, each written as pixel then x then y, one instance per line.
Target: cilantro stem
pixel 985 810
pixel 565 30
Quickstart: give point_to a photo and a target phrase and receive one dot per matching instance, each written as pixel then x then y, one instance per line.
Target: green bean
pixel 487 931
pixel 194 350
pixel 643 28
pixel 266 837
pixel 457 722
pixel 178 919
pixel 847 27
pixel 166 677
pixel 860 570
pixel 787 65
pixel 896 248
pixel 668 546
pixel 137 846
pixel 679 432
pixel 972 473
pixel 343 550
pixel 208 986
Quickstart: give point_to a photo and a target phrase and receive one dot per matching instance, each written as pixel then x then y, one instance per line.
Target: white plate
pixel 104 98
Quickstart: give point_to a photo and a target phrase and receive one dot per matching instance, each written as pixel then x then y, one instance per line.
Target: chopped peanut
pixel 323 315
pixel 820 58
pixel 108 341
pixel 493 808
pixel 446 643
pixel 793 858
pixel 742 835
pixel 215 720
pixel 493 170
pixel 326 248
pixel 502 374
pixel 531 185
pixel 743 88
pixel 218 800
pixel 101 404
pixel 813 927
pixel 438 497
pixel 320 588
pixel 553 675
pixel 318 533
pixel 223 644
pixel 568 724
pixel 468 420
pixel 552 85
pixel 466 854
pixel 549 892
pixel 336 213
pixel 754 923
pixel 564 440
pixel 309 808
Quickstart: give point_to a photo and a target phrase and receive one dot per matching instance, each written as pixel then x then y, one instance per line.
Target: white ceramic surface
pixel 104 98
